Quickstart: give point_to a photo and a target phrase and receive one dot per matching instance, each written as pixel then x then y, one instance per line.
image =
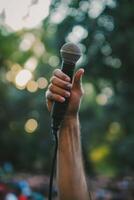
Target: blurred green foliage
pixel 106 114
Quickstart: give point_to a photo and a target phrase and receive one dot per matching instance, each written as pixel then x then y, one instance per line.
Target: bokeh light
pixel 22 78
pixel 107 91
pixel 78 33
pixel 42 83
pixel 115 131
pixel 60 13
pixel 95 8
pixel 38 48
pixel 16 67
pixel 89 89
pixel 11 74
pixel 53 61
pixel 101 99
pixel 113 62
pixel 114 127
pixel 29 13
pixel 31 64
pixel 31 125
pixel 27 41
pixel 32 86
pixel 99 153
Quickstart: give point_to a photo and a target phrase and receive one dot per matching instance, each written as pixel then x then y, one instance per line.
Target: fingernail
pixel 83 70
pixel 67 94
pixel 62 99
pixel 67 79
pixel 69 86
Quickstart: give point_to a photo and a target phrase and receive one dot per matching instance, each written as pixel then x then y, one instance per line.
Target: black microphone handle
pixel 59 109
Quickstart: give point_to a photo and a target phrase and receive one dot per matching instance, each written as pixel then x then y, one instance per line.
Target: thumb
pixel 77 79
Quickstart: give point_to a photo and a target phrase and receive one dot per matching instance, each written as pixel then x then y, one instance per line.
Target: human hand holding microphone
pixel 63 99
pixel 63 86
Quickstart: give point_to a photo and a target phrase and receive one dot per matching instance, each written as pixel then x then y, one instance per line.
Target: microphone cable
pixel 54 133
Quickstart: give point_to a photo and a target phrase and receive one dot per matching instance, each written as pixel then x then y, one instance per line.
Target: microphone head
pixel 70 52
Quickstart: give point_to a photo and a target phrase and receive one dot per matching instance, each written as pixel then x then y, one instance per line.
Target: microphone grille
pixel 70 52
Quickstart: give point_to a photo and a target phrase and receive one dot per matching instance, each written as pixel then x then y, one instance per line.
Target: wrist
pixel 69 125
pixel 70 119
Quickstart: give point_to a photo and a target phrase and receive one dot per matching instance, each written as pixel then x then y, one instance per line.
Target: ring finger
pixel 57 90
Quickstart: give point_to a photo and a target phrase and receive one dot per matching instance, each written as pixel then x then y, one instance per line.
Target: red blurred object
pixel 22 197
pixel 3 187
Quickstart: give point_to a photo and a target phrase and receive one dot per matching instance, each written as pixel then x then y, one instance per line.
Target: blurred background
pixel 31 35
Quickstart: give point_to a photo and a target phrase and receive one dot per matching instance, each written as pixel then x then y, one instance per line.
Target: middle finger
pixel 60 83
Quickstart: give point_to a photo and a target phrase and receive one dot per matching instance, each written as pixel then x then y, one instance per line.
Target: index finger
pixel 61 75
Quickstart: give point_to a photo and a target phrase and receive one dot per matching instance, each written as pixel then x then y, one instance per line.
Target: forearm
pixel 70 174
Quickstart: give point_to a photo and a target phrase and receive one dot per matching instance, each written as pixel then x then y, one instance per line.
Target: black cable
pixel 53 164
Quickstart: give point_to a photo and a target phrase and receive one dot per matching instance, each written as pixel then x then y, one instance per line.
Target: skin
pixel 70 172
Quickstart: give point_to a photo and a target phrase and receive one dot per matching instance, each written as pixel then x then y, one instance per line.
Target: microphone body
pixel 70 54
pixel 59 109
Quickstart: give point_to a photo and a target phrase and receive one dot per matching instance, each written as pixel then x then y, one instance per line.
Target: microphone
pixel 70 54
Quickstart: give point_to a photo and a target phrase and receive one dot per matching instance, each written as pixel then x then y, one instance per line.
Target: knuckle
pixel 64 92
pixel 53 80
pixel 57 98
pixel 48 95
pixel 65 85
pixel 50 87
pixel 56 71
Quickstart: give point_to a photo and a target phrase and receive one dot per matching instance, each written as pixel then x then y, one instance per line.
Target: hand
pixel 60 88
